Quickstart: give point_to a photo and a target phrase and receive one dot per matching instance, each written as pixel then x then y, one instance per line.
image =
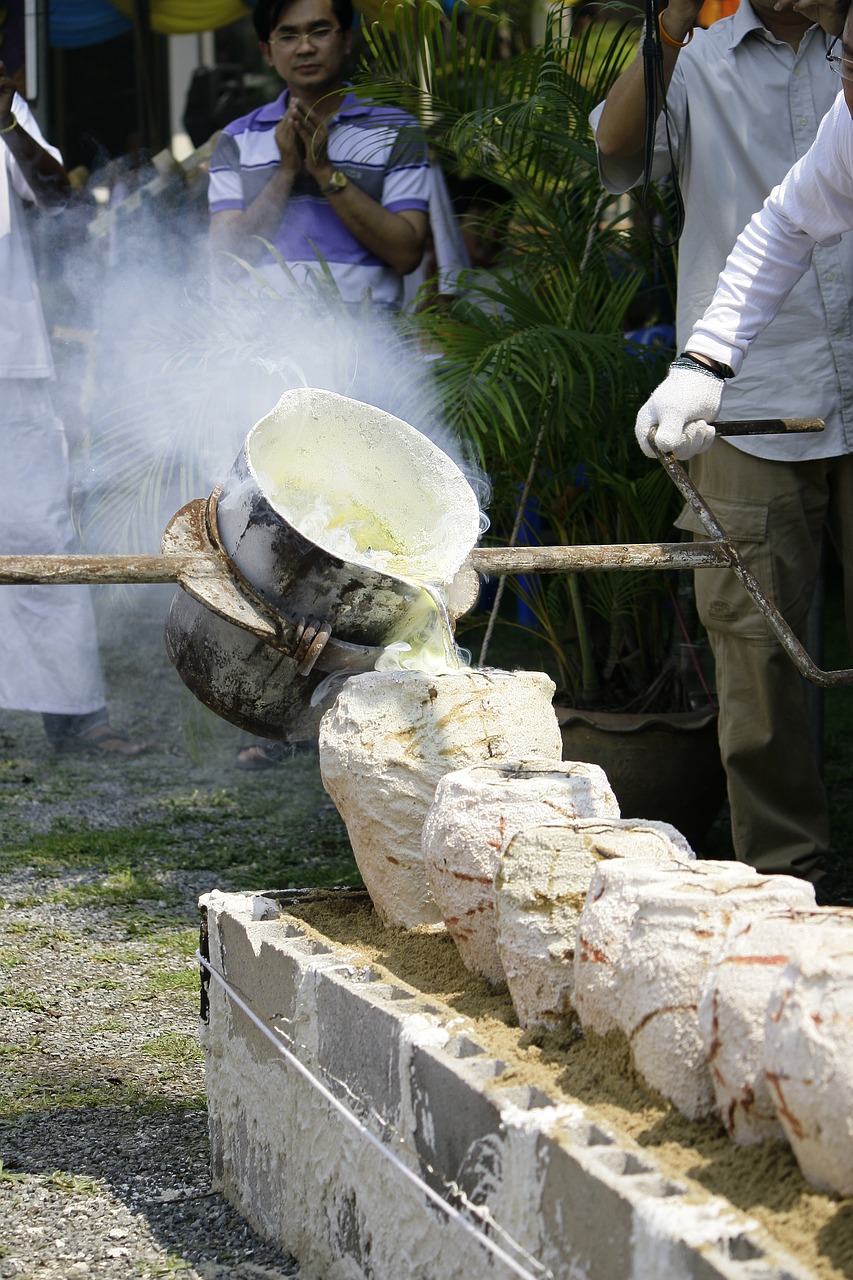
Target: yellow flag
pixel 183 17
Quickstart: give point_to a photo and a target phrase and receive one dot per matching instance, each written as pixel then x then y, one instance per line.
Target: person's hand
pixel 289 142
pixel 314 137
pixel 681 17
pixel 682 409
pixel 825 14
pixel 7 93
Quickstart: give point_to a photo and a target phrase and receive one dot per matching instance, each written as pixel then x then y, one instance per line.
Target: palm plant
pixel 535 373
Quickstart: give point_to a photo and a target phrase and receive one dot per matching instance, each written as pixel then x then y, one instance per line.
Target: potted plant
pixel 536 375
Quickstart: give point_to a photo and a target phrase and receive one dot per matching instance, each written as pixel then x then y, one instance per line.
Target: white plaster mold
pixel 557 1188
pixel 475 813
pixel 677 930
pixel 808 1053
pixel 606 921
pixel 541 885
pixel 734 999
pixel 390 738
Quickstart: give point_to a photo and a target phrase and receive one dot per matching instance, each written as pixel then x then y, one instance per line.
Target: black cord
pixel 653 80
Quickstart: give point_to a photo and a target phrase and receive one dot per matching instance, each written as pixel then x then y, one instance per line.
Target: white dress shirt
pixel 743 108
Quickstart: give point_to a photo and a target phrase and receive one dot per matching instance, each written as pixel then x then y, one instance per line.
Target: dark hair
pixel 266 15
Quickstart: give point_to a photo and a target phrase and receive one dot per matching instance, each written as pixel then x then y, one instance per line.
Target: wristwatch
pixel 336 183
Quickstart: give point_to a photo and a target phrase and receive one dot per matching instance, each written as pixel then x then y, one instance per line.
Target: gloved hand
pixel 682 408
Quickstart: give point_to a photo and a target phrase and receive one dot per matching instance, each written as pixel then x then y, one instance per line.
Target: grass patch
pixel 185 980
pixel 108 1024
pixel 124 887
pixel 172 1046
pixel 45 1093
pixel 74 1184
pixel 24 1000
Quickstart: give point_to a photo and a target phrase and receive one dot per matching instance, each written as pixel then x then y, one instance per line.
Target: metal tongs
pixel 720 551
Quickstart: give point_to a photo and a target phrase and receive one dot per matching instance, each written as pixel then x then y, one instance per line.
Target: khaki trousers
pixel 776 513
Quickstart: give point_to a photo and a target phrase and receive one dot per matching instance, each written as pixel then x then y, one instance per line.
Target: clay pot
pixel 389 740
pixel 678 930
pixel 808 1055
pixel 474 814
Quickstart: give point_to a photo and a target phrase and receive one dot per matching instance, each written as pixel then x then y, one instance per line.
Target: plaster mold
pixel 808 1054
pixel 389 740
pixel 475 813
pixel 541 885
pixel 607 917
pixel 679 927
pixel 735 995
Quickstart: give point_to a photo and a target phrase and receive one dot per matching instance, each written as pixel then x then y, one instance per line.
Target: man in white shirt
pixel 47 633
pixel 745 99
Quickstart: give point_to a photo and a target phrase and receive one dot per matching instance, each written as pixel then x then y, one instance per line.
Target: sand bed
pixel 762 1182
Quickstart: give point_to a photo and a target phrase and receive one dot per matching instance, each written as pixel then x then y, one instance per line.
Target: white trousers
pixel 48 644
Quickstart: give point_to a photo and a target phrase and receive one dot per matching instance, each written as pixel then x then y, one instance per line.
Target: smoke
pixel 165 363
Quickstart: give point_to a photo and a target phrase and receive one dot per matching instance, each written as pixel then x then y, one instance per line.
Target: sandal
pixel 269 755
pixel 103 739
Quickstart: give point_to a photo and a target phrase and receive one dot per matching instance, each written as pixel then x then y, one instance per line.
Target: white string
pixel 453 1214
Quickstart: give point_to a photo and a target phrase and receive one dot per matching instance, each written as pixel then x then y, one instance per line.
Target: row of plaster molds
pixel 673 926
pixel 389 740
pixel 544 1178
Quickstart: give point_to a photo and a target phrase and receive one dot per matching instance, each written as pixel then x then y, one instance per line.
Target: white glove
pixel 682 408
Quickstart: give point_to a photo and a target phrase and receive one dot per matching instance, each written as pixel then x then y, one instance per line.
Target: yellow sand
pixel 762 1182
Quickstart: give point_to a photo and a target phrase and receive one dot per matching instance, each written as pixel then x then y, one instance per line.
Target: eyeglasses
pixel 289 38
pixel 841 66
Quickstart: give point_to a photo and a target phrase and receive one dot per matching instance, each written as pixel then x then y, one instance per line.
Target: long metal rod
pixel 598 557
pixel 170 567
pixel 34 570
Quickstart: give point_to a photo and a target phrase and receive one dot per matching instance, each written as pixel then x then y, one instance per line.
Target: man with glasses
pixel 334 184
pixel 743 103
pixel 318 174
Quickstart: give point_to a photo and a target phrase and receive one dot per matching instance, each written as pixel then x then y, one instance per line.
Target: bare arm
pixel 620 129
pixel 235 230
pixel 44 173
pixel 395 238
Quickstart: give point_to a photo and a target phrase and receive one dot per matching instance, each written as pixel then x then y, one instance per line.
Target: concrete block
pixel 444 1171
pixel 389 739
pixel 475 813
pixel 541 885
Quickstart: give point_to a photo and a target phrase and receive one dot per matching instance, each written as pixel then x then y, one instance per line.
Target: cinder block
pixel 545 1182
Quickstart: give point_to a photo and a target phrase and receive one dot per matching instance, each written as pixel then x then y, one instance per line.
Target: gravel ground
pixel 103 1137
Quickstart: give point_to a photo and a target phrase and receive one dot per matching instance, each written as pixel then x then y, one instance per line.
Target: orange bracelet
pixel 667 39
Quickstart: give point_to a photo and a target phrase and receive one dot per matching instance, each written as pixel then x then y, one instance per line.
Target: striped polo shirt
pixel 381 149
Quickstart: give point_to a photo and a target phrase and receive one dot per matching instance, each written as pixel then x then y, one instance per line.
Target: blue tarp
pixel 72 24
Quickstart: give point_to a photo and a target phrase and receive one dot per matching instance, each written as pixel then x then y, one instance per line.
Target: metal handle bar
pixel 201 570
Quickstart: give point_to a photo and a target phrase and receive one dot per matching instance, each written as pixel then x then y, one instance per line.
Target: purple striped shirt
pixel 381 149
